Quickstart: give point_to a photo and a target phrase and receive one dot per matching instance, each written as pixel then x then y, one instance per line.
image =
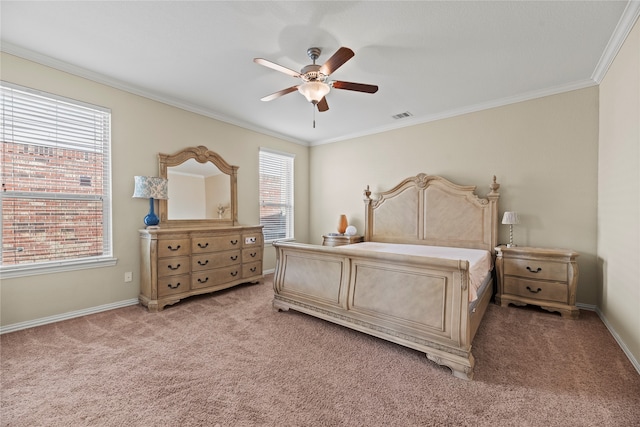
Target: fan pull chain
pixel 314 115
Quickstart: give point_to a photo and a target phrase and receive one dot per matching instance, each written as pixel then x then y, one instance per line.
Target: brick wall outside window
pixel 65 218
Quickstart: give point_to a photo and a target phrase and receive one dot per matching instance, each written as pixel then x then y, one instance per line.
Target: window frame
pixel 289 206
pixel 96 261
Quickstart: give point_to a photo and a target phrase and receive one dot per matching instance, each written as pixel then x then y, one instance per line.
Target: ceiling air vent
pixel 402 115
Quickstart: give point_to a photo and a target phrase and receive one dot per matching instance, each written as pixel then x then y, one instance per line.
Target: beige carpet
pixel 228 359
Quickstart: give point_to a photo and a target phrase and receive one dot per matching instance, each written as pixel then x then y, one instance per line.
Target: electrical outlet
pixel 249 240
pixel 128 276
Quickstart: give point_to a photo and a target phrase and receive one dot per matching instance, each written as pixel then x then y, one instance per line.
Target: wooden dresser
pixel 179 262
pixel 544 277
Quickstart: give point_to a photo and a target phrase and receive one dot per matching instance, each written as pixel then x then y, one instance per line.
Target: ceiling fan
pixel 315 78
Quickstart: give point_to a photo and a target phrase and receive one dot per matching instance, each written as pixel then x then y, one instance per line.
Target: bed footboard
pixel 417 302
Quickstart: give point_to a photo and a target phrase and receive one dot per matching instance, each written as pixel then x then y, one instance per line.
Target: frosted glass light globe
pixel 350 231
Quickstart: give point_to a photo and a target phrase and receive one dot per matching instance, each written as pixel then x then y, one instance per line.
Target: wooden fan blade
pixel 323 105
pixel 358 87
pixel 337 60
pixel 279 93
pixel 276 67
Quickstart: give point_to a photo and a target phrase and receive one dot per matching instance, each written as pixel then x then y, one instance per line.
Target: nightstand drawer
pixel 535 269
pixel 535 289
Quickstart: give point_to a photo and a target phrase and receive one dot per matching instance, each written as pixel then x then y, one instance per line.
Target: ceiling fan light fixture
pixel 314 91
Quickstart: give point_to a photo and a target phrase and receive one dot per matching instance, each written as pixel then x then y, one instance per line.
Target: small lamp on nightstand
pixel 510 218
pixel 150 187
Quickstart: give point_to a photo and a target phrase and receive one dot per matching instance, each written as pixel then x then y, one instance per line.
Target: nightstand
pixel 339 239
pixel 544 277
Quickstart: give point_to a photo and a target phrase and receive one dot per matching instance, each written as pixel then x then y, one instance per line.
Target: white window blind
pixel 276 194
pixel 55 171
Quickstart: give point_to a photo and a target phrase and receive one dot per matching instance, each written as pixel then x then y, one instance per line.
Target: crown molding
pixel 66 67
pixel 624 27
pixel 412 121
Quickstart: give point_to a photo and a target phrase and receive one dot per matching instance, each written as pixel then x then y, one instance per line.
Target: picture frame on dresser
pixel 196 253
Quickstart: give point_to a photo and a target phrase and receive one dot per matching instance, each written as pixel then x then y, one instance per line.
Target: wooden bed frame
pixel 417 302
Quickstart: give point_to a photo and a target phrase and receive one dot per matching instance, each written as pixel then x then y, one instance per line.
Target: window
pixel 276 195
pixel 55 199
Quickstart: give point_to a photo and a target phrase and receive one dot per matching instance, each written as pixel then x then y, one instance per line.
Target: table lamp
pixel 510 218
pixel 150 187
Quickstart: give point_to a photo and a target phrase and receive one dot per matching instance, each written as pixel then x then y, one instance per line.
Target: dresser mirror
pixel 202 189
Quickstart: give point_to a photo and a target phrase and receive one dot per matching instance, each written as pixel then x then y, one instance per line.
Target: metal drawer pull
pixel 203 263
pixel 253 269
pixel 203 281
pixel 234 274
pixel 532 291
pixel 253 254
pixel 233 258
pixel 173 287
pixel 233 242
pixel 200 245
pixel 173 268
pixel 172 248
pixel 539 269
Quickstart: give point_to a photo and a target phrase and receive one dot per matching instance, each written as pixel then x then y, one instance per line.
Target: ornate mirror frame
pixel 203 155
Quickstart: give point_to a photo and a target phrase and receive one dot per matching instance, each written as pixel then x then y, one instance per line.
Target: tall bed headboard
pixel 430 210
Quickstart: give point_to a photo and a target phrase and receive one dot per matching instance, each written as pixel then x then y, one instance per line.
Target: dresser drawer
pixel 177 247
pixel 548 291
pixel 173 285
pixel 204 244
pixel 535 269
pixel 203 279
pixel 252 269
pixel 214 260
pixel 217 276
pixel 251 254
pixel 174 266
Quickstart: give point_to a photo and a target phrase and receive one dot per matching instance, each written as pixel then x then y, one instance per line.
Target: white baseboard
pixel 614 334
pixel 588 307
pixel 72 314
pixel 65 316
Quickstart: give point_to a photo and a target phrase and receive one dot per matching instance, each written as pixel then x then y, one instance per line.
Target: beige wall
pixel 140 129
pixel 619 195
pixel 543 152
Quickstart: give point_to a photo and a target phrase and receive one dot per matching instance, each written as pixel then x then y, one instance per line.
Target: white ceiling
pixel 432 59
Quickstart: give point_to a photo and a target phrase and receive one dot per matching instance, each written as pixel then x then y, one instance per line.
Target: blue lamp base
pixel 151 218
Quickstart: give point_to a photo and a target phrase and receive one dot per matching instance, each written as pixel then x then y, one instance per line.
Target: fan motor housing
pixel 312 73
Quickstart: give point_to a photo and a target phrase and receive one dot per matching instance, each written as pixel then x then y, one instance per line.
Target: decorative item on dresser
pixel 150 187
pixel 201 253
pixel 544 277
pixel 342 224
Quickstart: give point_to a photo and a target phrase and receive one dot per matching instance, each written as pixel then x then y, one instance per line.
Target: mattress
pixel 480 261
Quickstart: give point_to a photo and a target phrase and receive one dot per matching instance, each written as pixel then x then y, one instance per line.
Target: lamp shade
pixel 314 91
pixel 510 218
pixel 150 187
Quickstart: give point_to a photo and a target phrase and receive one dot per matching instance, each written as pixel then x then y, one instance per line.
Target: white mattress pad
pixel 480 261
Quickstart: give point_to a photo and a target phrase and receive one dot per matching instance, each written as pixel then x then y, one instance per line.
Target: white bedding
pixel 480 262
